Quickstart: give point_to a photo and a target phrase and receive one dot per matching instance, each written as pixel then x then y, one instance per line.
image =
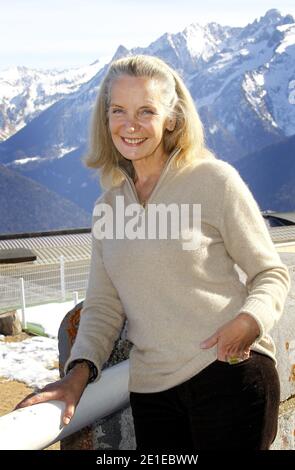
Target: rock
pixel 10 324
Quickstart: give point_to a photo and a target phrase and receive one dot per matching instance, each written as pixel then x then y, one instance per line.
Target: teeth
pixel 133 141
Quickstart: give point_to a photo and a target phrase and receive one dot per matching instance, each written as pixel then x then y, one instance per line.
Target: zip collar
pixel 128 170
pixel 127 167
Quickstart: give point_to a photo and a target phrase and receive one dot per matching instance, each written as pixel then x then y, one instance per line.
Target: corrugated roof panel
pixel 76 247
pixel 290 216
pixel 49 249
pixel 40 242
pixel 283 234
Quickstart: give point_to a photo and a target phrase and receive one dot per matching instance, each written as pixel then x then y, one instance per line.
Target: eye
pixel 147 111
pixel 117 111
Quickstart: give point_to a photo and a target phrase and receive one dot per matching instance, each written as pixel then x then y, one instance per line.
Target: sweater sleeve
pixel 102 316
pixel 248 243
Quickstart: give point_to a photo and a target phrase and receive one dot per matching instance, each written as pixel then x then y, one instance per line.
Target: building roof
pixel 75 244
pixel 283 234
pixel 285 217
pixel 49 246
pixel 16 255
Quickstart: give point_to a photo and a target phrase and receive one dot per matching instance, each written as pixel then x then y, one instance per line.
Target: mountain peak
pixel 274 16
pixel 192 28
pixel 120 52
pixel 273 13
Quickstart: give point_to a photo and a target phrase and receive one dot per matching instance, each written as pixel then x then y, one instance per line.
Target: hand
pixel 234 338
pixel 69 389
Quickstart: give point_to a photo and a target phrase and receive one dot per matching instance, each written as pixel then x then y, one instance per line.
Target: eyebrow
pixel 113 105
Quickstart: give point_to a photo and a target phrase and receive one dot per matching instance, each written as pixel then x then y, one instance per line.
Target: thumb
pixel 209 342
pixel 69 413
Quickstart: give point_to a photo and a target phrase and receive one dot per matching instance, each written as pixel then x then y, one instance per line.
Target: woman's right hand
pixel 68 389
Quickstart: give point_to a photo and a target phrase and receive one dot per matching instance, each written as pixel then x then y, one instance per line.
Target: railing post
pixel 62 278
pixel 76 298
pixel 23 303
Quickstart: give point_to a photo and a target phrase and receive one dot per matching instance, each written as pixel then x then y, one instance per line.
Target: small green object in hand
pixel 234 360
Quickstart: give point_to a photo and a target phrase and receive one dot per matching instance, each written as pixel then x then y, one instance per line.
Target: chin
pixel 131 155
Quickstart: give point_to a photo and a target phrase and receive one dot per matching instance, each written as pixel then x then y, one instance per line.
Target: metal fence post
pixel 76 298
pixel 23 303
pixel 62 278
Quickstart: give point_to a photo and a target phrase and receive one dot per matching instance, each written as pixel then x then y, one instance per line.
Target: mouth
pixel 133 142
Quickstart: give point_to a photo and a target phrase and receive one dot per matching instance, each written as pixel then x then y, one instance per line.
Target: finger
pixel 222 357
pixel 68 414
pixel 22 403
pixel 222 354
pixel 242 351
pixel 237 356
pixel 209 342
pixel 35 398
pixel 226 351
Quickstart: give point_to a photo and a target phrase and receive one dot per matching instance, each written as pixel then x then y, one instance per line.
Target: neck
pixel 148 169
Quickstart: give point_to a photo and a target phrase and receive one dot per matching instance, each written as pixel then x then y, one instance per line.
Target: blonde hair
pixel 188 133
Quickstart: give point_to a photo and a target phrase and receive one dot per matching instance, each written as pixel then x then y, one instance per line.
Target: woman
pixel 202 367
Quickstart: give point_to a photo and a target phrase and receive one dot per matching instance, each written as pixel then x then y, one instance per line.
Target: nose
pixel 132 125
pixel 131 128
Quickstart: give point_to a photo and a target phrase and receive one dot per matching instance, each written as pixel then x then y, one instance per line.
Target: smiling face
pixel 137 117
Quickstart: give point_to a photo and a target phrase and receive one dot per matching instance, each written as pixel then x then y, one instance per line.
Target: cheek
pixel 154 128
pixel 113 128
pixel 159 131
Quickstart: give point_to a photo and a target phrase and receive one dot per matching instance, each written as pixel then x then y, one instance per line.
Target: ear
pixel 171 123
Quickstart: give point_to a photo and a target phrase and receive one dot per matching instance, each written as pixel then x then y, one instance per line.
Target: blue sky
pixel 66 33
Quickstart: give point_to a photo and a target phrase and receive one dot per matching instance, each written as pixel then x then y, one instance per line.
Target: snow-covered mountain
pixel 246 85
pixel 25 92
pixel 58 130
pixel 188 50
pixel 240 79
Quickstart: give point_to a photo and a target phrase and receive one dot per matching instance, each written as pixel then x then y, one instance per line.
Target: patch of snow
pixel 244 52
pixel 34 361
pixel 23 161
pixel 255 94
pixel 213 129
pixel 288 41
pixel 48 315
pixel 65 150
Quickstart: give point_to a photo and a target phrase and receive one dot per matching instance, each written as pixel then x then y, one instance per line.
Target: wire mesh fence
pixel 42 283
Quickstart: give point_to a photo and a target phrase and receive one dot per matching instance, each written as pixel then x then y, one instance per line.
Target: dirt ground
pixel 12 392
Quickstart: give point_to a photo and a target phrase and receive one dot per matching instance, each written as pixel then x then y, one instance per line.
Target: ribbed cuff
pixel 261 314
pixel 93 373
pixel 95 370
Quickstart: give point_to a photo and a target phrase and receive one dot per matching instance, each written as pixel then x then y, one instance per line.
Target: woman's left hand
pixel 234 338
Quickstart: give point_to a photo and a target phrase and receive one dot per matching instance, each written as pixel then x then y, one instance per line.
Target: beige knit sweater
pixel 175 298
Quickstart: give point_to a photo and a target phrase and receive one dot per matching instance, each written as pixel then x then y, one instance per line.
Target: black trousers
pixel 224 407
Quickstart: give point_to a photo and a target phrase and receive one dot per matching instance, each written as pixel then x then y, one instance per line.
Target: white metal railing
pixel 41 283
pixel 24 429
